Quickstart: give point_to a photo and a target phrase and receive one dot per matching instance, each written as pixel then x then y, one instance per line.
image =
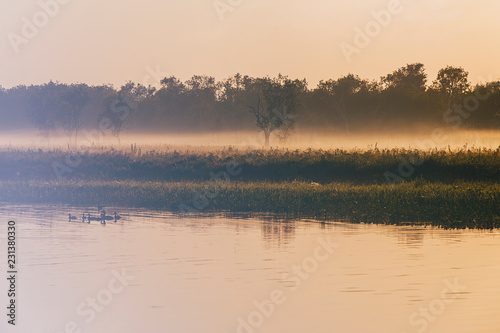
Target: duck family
pixel 102 216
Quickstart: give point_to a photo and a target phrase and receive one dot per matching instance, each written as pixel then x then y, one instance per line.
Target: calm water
pixel 223 275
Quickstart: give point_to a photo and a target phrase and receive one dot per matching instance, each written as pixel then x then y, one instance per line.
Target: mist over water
pixel 333 168
pixel 302 139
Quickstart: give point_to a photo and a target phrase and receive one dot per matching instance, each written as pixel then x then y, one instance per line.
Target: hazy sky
pixel 113 41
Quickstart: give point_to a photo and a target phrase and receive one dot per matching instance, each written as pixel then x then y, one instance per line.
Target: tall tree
pixel 410 79
pixel 232 113
pixel 119 106
pixel 339 91
pixel 165 109
pixel 200 101
pixel 43 106
pixel 488 112
pixel 73 99
pixel 452 83
pixel 403 95
pixel 274 104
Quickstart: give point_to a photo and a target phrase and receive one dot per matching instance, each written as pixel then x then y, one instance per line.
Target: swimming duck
pixel 105 217
pixel 91 218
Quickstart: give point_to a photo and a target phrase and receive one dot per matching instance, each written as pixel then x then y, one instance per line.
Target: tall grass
pixel 451 188
pixel 324 166
pixel 457 205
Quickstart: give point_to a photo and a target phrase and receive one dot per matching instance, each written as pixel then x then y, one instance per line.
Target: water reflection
pixel 278 233
pixel 205 273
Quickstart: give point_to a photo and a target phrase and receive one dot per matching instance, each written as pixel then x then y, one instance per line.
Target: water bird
pixel 99 207
pixel 91 218
pixel 117 217
pixel 71 217
pixel 105 217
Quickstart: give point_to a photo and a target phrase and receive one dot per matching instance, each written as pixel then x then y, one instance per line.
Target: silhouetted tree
pixel 204 104
pixel 232 114
pixel 410 79
pixel 339 92
pixel 200 101
pixel 488 113
pixel 119 106
pixel 44 103
pixel 403 94
pixel 73 99
pixel 274 104
pixel 452 83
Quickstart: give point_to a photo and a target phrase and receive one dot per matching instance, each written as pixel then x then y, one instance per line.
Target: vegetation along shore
pixel 449 188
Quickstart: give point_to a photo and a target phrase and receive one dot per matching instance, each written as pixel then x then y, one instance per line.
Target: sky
pixel 114 41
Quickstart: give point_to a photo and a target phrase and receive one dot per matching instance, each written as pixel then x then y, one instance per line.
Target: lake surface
pixel 157 272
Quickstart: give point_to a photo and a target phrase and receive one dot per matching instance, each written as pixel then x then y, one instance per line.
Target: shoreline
pixel 457 205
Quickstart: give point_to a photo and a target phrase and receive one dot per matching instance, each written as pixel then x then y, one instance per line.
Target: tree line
pixel 275 106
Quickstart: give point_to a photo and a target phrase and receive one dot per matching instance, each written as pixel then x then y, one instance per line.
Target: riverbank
pixel 455 205
pixel 369 167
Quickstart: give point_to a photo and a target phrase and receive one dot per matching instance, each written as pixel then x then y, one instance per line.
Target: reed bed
pixel 457 205
pixel 323 166
pixel 453 188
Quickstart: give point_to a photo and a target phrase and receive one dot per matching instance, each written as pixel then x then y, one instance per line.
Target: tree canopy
pixel 275 106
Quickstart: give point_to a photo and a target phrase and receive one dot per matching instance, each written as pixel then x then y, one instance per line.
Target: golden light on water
pixel 254 202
